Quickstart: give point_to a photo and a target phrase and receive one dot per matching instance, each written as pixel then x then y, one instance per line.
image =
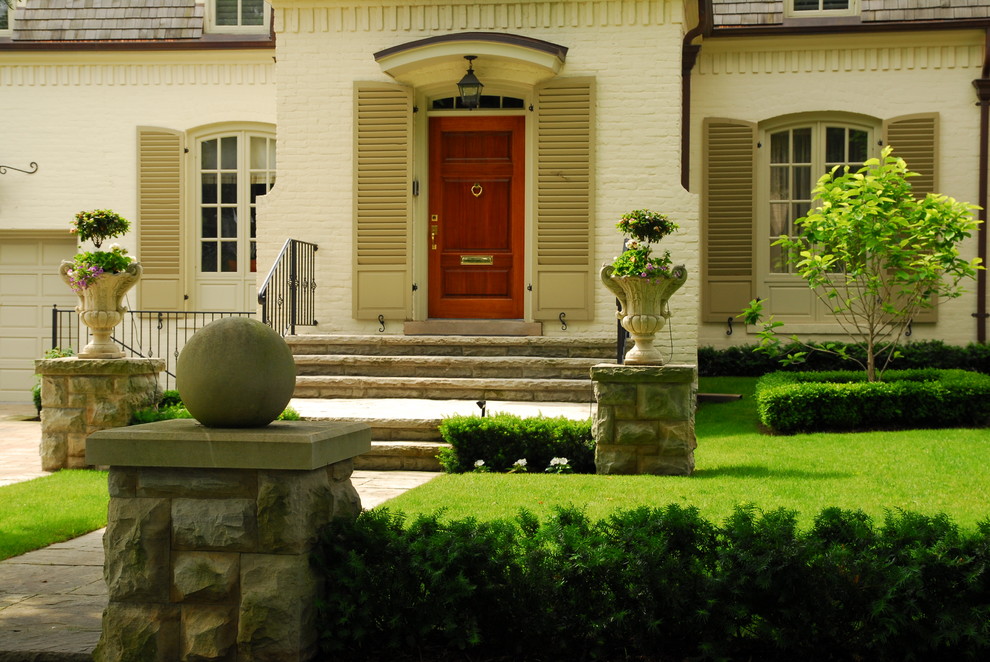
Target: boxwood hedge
pixel 655 584
pixel 790 402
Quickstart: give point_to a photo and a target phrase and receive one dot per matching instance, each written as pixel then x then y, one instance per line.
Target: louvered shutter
pixel 565 156
pixel 382 183
pixel 914 138
pixel 728 218
pixel 159 221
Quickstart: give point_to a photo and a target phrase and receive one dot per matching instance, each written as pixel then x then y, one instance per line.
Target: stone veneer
pixel 82 396
pixel 209 537
pixel 645 419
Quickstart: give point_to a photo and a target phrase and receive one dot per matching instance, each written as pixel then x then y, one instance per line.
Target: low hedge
pixel 501 439
pixel 745 361
pixel 659 584
pixel 844 400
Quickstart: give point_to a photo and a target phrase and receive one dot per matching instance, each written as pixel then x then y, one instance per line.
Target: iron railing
pixel 143 333
pixel 288 295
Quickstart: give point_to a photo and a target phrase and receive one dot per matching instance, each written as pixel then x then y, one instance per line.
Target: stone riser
pixel 447 366
pixel 400 456
pixel 539 346
pixel 525 390
pixel 397 430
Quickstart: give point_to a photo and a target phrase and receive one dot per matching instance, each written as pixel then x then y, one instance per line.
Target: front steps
pixel 404 385
pixel 528 368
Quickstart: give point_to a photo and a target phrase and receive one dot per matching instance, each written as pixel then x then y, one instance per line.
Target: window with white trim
pixel 234 169
pixel 820 8
pixel 238 16
pixel 6 18
pixel 793 157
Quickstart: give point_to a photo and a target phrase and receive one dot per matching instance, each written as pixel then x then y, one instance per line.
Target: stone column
pixel 645 419
pixel 82 396
pixel 209 537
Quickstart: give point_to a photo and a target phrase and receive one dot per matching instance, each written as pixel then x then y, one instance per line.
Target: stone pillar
pixel 209 537
pixel 645 419
pixel 82 396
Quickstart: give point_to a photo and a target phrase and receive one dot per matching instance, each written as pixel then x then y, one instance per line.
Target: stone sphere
pixel 235 373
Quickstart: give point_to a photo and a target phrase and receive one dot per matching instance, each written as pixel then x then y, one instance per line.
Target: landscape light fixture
pixel 469 86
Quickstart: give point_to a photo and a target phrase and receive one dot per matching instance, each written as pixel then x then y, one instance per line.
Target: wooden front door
pixel 477 217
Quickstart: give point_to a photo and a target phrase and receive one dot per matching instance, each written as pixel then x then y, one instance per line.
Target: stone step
pixel 546 346
pixel 400 456
pixel 445 388
pixel 481 367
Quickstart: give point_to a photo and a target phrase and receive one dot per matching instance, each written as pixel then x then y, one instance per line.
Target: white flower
pixel 558 460
pixel 115 247
pixel 478 464
pixel 519 463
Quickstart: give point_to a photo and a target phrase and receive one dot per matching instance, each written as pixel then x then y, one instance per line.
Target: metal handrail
pixel 288 294
pixel 144 333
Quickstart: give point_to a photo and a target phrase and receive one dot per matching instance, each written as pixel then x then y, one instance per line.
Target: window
pixel 820 8
pixel 234 169
pixel 239 15
pixel 6 18
pixel 798 157
pixel 793 156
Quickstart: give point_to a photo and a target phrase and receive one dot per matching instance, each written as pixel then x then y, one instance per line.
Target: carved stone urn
pixel 100 308
pixel 644 309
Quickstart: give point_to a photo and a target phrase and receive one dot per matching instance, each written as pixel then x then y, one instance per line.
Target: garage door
pixel 29 286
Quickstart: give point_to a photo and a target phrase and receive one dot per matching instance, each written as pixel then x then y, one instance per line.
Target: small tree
pixel 876 256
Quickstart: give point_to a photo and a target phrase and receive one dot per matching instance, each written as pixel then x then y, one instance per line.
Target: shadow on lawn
pixel 757 471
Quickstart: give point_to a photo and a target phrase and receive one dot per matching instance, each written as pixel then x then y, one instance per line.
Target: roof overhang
pixel 502 58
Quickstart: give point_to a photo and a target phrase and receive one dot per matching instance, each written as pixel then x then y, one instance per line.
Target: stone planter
pixel 101 310
pixel 644 309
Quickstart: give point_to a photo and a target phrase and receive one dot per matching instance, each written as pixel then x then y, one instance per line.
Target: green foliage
pixel 639 261
pixel 645 227
pixel 749 361
pixel 99 225
pixel 876 255
pixel 657 584
pixel 502 439
pixel 87 266
pixel 53 353
pixel 924 398
pixel 170 406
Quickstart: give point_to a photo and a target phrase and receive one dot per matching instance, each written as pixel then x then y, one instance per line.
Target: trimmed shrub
pixel 790 402
pixel 501 439
pixel 746 361
pixel 170 406
pixel 657 584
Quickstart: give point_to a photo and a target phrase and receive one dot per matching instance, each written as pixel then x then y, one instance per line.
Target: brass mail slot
pixel 477 259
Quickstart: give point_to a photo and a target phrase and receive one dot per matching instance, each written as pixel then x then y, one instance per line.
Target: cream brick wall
pixel 881 75
pixel 77 115
pixel 632 49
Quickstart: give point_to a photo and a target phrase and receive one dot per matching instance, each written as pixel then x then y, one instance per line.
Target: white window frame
pixel 9 12
pixel 244 275
pixel 791 12
pixel 773 285
pixel 211 22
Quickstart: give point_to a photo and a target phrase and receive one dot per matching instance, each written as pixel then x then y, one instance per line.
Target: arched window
pixel 233 169
pixel 793 156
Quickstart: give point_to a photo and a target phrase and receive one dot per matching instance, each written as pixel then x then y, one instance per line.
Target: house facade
pixel 433 217
pixel 162 111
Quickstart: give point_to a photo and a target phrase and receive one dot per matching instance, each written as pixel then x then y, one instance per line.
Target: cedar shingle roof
pixel 108 20
pixel 729 13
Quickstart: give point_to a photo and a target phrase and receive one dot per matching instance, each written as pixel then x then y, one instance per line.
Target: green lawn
pixel 926 471
pixel 39 512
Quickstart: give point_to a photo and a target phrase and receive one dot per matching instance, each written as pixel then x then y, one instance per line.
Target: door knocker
pixel 476 190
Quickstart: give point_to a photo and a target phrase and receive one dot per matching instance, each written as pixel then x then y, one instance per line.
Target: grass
pixel 50 509
pixel 926 471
